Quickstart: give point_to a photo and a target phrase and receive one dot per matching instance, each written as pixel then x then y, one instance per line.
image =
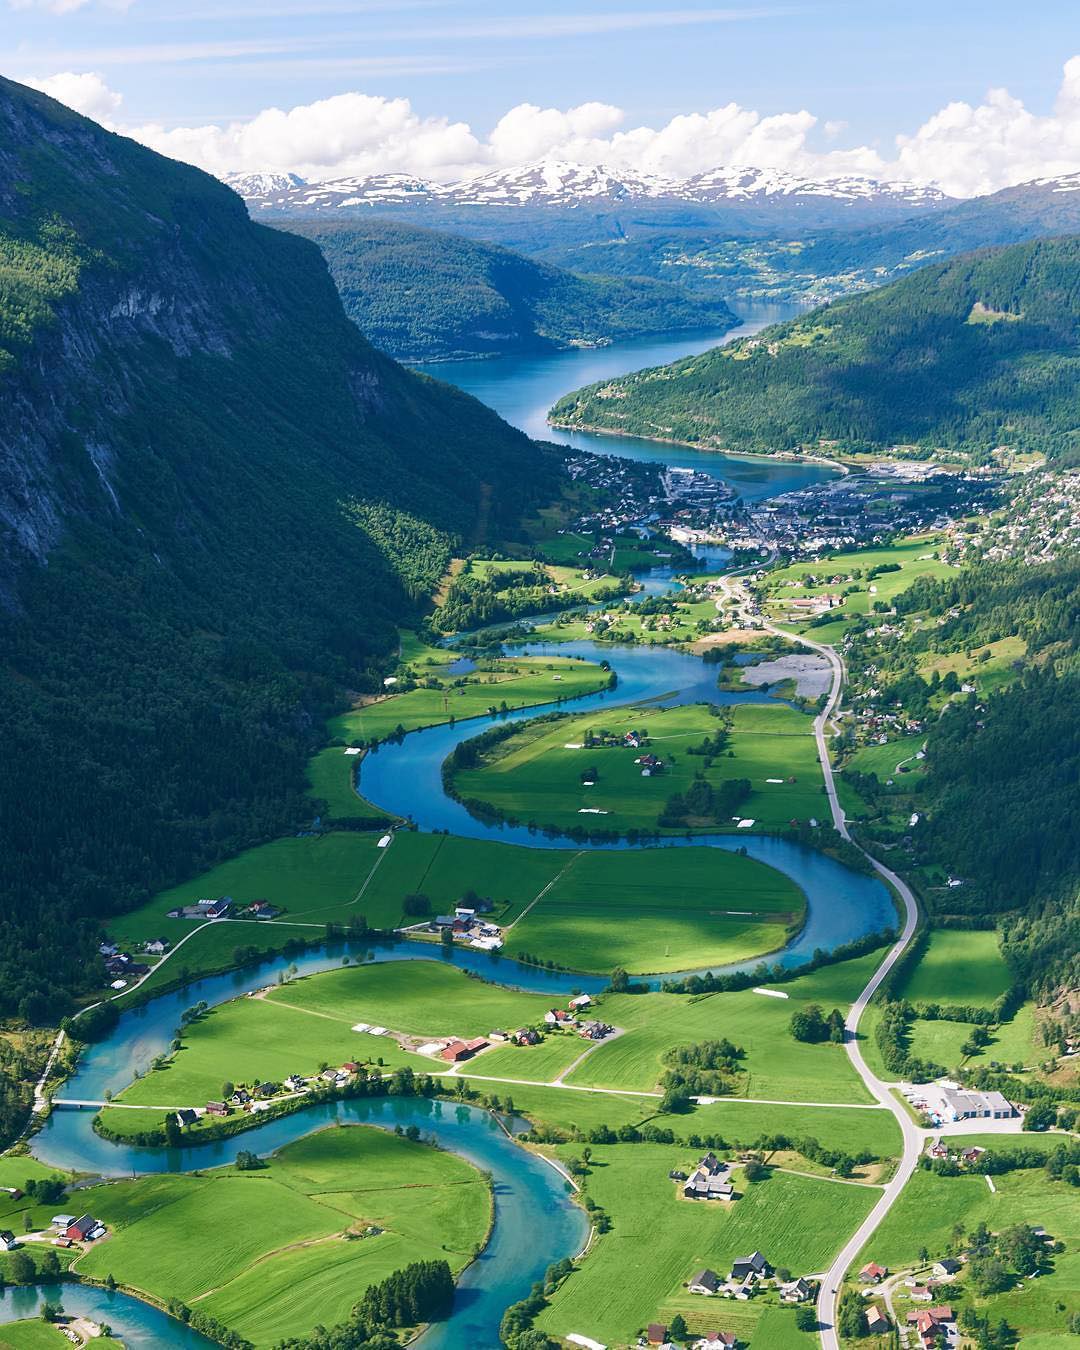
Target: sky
pixel 970 96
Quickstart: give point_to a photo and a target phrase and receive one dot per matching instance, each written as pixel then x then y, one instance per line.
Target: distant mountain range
pixel 558 183
pixel 961 357
pixel 423 295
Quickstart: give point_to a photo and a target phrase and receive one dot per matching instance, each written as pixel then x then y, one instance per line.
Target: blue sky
pixel 865 71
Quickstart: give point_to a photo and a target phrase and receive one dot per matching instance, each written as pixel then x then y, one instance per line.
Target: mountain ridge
pixel 962 358
pixel 217 502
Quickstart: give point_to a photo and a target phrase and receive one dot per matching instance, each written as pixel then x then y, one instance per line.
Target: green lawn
pixel 31 1334
pixel 538 775
pixel 266 1251
pixel 776 1067
pixel 332 779
pixel 635 1273
pixel 929 1207
pixel 959 967
pixel 516 682
pixel 659 910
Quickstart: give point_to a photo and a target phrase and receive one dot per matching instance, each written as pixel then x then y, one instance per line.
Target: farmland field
pixel 265 1251
pixel 31 1334
pixel 635 1273
pixel 961 968
pixel 776 1066
pixel 659 910
pixel 542 774
pixel 515 682
pixel 420 998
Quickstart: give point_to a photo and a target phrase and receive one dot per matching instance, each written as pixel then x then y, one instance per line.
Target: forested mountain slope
pixel 423 295
pixel 961 357
pixel 216 499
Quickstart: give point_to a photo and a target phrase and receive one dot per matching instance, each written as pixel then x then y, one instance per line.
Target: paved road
pixel 912 1135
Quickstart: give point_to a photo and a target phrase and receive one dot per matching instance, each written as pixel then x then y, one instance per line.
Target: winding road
pixel 912 1136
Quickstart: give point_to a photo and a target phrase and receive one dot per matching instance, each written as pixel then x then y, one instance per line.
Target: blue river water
pixel 535 1220
pixel 522 389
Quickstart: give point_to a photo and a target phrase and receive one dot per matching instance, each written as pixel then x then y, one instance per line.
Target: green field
pixel 928 1208
pixel 959 967
pixel 31 1334
pixel 516 682
pixel 417 997
pixel 659 910
pixel 537 775
pixel 333 878
pixel 776 1066
pixel 634 1274
pixel 266 1251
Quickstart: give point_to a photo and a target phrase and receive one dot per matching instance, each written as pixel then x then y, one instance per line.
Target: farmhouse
pixel 581 1001
pixel 946 1268
pixel 704 1282
pixel 717 1340
pixel 7 1240
pixel 216 1109
pixel 656 1333
pixel 558 1017
pixel 84 1229
pixel 754 1264
pixel 872 1273
pixel 930 1323
pixel 156 947
pixel 526 1036
pixel 703 1186
pixel 457 1051
pixel 186 1116
pixel 876 1321
pixel 798 1291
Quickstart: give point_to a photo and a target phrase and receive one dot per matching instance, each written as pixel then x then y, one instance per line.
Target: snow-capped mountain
pixel 262 184
pixel 560 183
pixel 738 183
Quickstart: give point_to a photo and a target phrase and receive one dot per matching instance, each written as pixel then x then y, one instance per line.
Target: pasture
pixel 776 1066
pixel 266 1251
pixel 959 967
pixel 659 910
pixel 551 775
pixel 417 997
pixel 32 1333
pixel 635 1274
pixel 512 682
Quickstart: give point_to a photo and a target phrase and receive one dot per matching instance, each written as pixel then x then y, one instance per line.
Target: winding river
pixel 535 1221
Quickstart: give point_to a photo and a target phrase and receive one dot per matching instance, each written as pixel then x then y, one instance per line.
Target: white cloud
pixel 87 93
pixel 966 149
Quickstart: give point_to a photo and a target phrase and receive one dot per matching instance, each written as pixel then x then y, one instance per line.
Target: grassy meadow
pixel 539 774
pixel 267 1252
pixel 659 910
pixel 635 1274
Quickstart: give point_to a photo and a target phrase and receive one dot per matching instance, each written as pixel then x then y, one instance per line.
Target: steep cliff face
pixel 216 500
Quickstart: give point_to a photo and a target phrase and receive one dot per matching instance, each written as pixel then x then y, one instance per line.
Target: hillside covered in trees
pixel 960 357
pixel 217 501
pixel 423 295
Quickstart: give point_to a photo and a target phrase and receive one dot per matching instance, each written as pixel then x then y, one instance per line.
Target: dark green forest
pixel 423 295
pixel 219 501
pixel 962 357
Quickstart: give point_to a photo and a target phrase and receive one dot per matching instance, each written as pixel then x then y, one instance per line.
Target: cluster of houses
pixel 122 966
pixel 964 1157
pixel 932 1324
pixel 225 907
pixel 588 1029
pixel 467 925
pixel 748 1273
pixel 258 1096
pixel 456 1051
